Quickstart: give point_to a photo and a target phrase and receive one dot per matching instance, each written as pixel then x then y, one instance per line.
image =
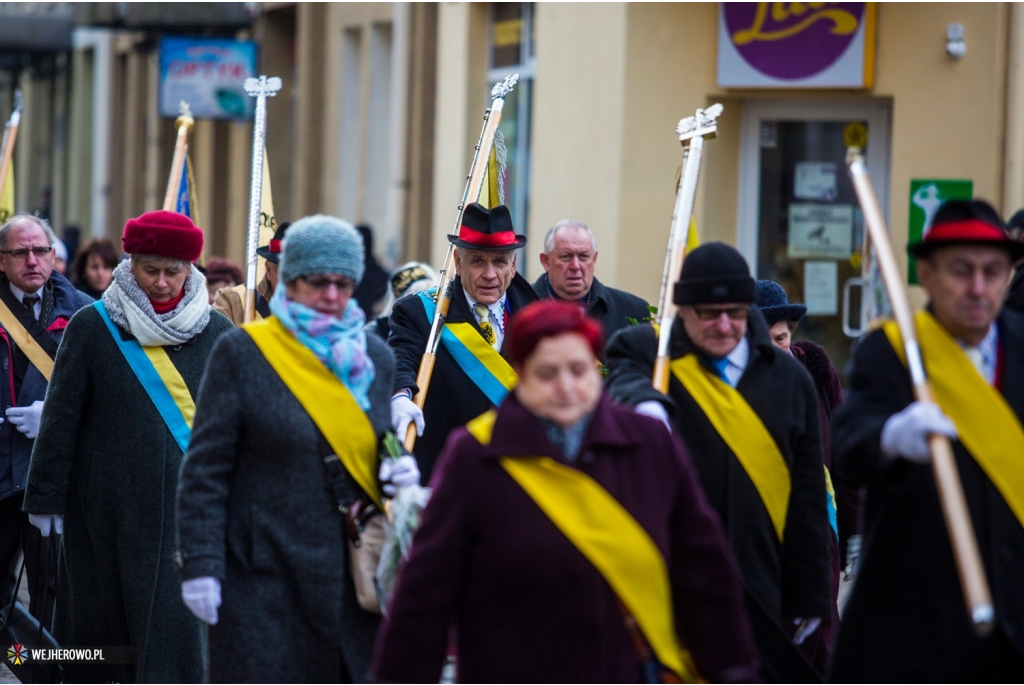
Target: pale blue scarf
pixel 339 344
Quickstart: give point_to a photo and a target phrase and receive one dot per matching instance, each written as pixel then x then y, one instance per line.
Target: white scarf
pixel 130 308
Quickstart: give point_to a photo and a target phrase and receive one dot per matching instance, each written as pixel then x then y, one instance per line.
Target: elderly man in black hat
pixel 231 301
pixel 470 375
pixel 569 259
pixel 748 414
pixel 906 620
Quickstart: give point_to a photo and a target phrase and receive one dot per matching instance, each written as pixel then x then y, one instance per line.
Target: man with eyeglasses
pixel 748 414
pixel 39 302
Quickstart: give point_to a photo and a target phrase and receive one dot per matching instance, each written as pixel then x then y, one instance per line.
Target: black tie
pixel 30 303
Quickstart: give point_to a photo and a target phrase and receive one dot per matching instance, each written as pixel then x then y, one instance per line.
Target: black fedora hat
pixel 487 229
pixel 966 222
pixel 272 251
pixel 773 303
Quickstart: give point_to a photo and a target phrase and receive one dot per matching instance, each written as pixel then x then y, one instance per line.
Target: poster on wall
pixel 796 44
pixel 820 231
pixel 208 74
pixel 821 288
pixel 926 196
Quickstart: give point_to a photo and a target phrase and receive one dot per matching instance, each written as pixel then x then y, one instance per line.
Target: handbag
pixel 21 632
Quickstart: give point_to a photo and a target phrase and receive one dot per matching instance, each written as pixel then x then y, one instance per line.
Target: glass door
pixel 799 221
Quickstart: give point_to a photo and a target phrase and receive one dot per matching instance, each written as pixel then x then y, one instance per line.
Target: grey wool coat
pixel 107 462
pixel 255 511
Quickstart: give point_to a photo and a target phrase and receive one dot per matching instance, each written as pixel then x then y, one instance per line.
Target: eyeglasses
pixel 712 313
pixel 22 252
pixel 321 283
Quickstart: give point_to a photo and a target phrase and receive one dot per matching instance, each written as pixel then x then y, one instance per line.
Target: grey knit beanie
pixel 321 244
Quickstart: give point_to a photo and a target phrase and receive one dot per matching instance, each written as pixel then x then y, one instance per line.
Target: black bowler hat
pixel 714 273
pixel 773 303
pixel 272 251
pixel 966 222
pixel 487 229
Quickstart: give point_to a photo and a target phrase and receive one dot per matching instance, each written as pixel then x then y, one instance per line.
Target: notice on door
pixel 821 282
pixel 820 231
pixel 815 181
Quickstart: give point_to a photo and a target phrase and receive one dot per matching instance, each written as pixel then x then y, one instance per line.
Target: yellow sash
pixel 171 377
pixel 483 364
pixel 325 398
pixel 607 535
pixel 24 340
pixel 743 432
pixel 986 424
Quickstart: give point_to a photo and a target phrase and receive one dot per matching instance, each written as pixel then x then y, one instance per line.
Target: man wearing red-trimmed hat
pixel 470 367
pixel 231 301
pixel 906 620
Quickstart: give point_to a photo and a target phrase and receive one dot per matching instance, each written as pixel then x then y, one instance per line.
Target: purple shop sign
pixel 796 44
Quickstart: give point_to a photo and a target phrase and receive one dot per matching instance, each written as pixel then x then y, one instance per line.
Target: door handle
pixel 848 330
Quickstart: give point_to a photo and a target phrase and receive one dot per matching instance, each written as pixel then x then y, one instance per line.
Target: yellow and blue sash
pixel 743 432
pixel 160 379
pixel 986 424
pixel 485 367
pixel 608 536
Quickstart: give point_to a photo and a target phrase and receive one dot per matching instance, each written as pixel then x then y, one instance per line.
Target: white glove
pixel 398 473
pixel 26 419
pixel 806 628
pixel 656 410
pixel 906 434
pixel 44 522
pixel 202 597
pixel 403 412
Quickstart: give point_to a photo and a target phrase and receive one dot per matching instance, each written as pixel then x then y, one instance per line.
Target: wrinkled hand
pixel 202 597
pixel 403 412
pixel 398 473
pixel 26 419
pixel 656 410
pixel 46 522
pixel 906 434
pixel 805 628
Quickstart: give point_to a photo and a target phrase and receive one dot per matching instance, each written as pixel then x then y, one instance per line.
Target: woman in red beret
pixel 566 539
pixel 105 466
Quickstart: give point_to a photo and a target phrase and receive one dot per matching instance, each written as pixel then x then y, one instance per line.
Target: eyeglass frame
pixel 739 313
pixel 343 284
pixel 39 251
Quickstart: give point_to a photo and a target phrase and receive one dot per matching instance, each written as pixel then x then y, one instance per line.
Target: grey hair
pixel 159 261
pixel 5 230
pixel 549 237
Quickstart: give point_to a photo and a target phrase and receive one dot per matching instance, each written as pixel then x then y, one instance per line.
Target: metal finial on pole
pixel 261 89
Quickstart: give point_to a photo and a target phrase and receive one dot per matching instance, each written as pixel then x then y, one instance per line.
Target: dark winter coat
pixel 784 580
pixel 1015 294
pixel 905 620
pixel 256 512
pixel 609 306
pixel 525 604
pixel 107 462
pixel 452 399
pixel 15 447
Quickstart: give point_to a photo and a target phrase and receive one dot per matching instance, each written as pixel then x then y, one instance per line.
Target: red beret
pixel 166 234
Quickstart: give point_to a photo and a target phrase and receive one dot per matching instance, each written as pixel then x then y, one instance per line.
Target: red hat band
pixel 275 245
pixel 482 239
pixel 964 230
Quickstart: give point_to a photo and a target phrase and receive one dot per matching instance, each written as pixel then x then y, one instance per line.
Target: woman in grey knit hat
pixel 288 425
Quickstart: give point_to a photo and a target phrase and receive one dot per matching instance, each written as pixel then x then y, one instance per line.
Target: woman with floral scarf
pixel 104 468
pixel 288 402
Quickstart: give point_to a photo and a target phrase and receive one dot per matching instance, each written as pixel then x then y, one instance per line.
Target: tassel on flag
pixel 268 220
pixel 492 190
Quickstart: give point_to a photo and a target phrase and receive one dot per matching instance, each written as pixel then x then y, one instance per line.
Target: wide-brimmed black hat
pixel 966 222
pixel 272 251
pixel 773 303
pixel 487 229
pixel 714 273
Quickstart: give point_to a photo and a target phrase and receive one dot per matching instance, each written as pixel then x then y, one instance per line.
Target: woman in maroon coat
pixel 490 572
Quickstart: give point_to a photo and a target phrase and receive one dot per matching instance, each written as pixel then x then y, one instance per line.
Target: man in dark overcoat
pixel 569 259
pixel 486 292
pixel 43 301
pixel 906 620
pixel 787 576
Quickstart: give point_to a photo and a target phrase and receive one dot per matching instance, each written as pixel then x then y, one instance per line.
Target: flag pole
pixel 10 137
pixel 184 122
pixel 261 89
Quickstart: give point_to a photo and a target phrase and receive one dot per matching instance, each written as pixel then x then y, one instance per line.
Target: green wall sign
pixel 926 196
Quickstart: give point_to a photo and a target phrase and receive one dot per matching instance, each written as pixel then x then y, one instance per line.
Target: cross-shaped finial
pixel 19 101
pixel 263 86
pixel 502 89
pixel 184 110
pixel 701 124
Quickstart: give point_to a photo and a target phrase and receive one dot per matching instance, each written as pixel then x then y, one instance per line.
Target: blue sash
pixel 156 383
pixel 492 375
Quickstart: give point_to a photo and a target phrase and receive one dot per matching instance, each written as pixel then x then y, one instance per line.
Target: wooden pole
pixel 10 138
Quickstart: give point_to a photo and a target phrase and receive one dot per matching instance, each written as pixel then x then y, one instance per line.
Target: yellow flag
pixel 692 241
pixel 268 221
pixel 7 196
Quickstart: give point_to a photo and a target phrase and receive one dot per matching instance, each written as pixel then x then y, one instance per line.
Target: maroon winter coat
pixel 489 569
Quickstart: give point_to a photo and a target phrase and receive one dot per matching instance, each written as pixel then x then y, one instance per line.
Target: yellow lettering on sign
pixel 843 23
pixel 508 32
